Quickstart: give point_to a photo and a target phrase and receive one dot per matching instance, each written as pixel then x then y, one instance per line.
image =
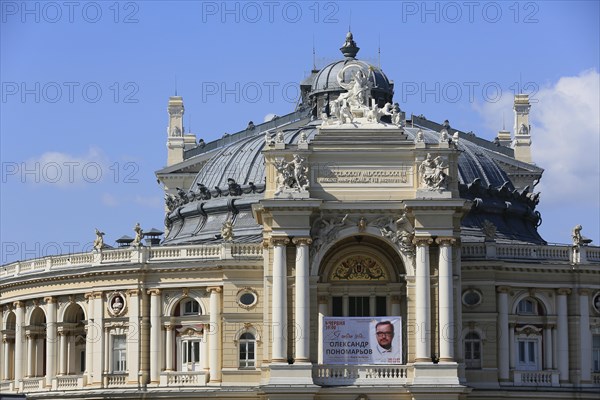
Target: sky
pixel 85 86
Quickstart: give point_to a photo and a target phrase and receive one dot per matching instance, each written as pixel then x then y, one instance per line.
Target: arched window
pixel 189 307
pixel 528 306
pixel 473 350
pixel 247 350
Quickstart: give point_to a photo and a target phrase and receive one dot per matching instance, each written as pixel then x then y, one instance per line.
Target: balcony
pixel 69 382
pixel 355 375
pixel 177 379
pixel 115 380
pixel 536 378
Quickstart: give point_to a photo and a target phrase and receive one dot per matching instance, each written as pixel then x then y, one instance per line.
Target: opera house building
pixel 342 251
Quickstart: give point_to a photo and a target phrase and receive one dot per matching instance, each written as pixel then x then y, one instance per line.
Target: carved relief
pixel 399 230
pixel 291 176
pixel 359 268
pixel 433 173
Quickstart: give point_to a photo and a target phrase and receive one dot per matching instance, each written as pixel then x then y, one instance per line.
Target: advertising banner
pixel 362 340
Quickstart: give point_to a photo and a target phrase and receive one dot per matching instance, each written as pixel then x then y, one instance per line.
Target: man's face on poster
pixel 385 334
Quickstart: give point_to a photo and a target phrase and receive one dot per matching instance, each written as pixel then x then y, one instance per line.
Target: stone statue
pixel 396 115
pixel 419 138
pixel 578 239
pixel 279 137
pixel 345 113
pixel 399 231
pixel 326 230
pixel 362 224
pixel 303 138
pixel 523 130
pixel 227 231
pixel 489 230
pixel 291 175
pixel 99 241
pixel 117 305
pixel 268 139
pixel 139 234
pixel 443 136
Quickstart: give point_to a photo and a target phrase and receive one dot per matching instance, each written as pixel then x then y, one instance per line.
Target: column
pixel 585 336
pixel 279 302
pixel 90 337
pixel 547 338
pixel 154 334
pixel 503 335
pixel 62 353
pixel 6 345
pixel 169 348
pixel 554 348
pixel 214 346
pixel 323 308
pixel 133 335
pixel 562 333
pixel 511 346
pixel 19 340
pixel 423 306
pixel 50 339
pixel 98 345
pixel 205 350
pixel 395 306
pixel 302 300
pixel 446 300
pixel 30 354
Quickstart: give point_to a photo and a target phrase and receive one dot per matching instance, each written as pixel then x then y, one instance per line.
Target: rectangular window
pixel 337 308
pixel 82 361
pixel 527 354
pixel 380 306
pixel 119 353
pixel 358 306
pixel 596 353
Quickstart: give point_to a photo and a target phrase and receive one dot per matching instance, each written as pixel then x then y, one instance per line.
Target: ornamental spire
pixel 349 49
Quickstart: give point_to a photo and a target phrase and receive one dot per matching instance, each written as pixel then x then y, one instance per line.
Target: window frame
pixel 247 346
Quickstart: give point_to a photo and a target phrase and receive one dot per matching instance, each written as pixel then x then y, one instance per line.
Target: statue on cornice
pixel 227 231
pixel 139 234
pixel 578 239
pixel 99 241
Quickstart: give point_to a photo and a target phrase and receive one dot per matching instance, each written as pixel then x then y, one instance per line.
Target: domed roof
pixel 233 179
pixel 334 77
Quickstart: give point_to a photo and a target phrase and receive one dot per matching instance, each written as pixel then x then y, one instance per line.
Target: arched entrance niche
pixel 362 276
pixel 71 343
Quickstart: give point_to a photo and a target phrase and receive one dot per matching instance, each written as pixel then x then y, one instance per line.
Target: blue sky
pixel 85 87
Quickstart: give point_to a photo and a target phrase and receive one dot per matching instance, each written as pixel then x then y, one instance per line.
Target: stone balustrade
pixel 131 255
pixel 341 375
pixel 536 378
pixel 192 378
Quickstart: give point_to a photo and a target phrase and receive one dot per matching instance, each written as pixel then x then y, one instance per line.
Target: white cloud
pixel 149 201
pixel 65 170
pixel 109 200
pixel 565 131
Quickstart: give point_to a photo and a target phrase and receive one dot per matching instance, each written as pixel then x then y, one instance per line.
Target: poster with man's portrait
pixel 362 340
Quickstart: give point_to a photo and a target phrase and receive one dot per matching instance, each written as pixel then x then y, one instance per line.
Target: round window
pixel 471 298
pixel 596 302
pixel 247 298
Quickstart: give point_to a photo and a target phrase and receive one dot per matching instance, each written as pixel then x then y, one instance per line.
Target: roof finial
pixel 175 85
pixel 349 49
pixel 314 55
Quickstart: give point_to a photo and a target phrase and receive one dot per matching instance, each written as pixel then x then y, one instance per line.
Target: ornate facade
pixel 343 209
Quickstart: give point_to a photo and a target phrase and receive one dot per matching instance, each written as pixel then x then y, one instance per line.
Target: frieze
pixel 399 175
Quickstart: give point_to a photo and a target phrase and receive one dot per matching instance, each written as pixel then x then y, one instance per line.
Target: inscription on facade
pixel 378 176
